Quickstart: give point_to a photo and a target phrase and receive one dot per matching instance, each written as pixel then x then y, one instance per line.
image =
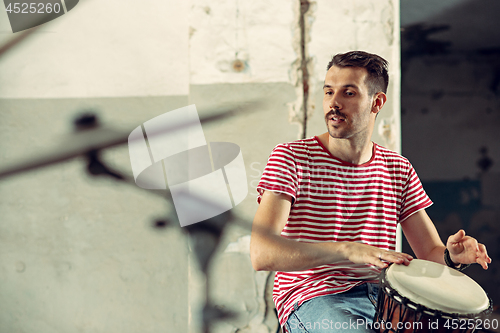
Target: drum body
pixel 429 297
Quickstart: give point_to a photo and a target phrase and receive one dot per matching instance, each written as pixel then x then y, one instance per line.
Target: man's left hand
pixel 466 250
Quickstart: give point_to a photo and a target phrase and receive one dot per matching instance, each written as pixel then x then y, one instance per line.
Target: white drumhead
pixel 437 287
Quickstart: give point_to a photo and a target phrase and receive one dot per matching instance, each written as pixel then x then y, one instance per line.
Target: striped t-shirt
pixel 335 201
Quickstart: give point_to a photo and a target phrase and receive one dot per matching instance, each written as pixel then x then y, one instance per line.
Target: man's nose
pixel 335 102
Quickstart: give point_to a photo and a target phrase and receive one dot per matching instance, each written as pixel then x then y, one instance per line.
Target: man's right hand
pixel 366 254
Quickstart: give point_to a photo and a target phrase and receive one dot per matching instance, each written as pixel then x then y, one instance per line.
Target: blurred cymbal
pixel 78 144
pixel 97 137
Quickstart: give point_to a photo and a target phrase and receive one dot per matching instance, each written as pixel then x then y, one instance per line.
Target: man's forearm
pixel 277 253
pixel 436 254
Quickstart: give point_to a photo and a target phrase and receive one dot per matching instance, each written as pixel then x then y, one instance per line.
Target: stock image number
pixel 33 8
pixel 464 324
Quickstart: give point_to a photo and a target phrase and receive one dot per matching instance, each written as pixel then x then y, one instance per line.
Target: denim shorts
pixel 350 311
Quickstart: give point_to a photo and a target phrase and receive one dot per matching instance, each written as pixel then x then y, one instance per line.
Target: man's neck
pixel 354 152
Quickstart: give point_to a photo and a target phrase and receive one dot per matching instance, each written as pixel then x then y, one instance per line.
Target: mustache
pixel 334 112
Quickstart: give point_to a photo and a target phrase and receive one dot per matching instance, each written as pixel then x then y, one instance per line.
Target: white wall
pixel 102 48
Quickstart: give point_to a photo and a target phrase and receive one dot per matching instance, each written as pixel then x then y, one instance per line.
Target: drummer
pixel 329 206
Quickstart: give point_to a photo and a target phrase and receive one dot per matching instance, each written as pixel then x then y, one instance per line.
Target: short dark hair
pixel 376 66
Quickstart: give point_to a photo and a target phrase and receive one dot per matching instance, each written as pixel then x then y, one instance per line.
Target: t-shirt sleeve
pixel 414 197
pixel 280 173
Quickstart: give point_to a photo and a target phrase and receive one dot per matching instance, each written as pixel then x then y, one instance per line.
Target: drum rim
pixel 389 291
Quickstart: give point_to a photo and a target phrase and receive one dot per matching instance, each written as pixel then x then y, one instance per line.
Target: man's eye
pixel 349 93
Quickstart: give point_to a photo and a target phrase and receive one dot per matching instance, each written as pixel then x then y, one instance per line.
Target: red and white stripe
pixel 335 201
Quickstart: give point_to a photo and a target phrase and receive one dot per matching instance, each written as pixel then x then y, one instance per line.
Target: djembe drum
pixel 429 297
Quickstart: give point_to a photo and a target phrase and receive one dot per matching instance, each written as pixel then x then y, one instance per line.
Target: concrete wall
pixel 450 119
pixel 450 126
pixel 80 253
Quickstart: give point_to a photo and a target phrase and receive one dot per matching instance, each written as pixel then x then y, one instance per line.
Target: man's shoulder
pixel 300 144
pixel 301 149
pixel 391 156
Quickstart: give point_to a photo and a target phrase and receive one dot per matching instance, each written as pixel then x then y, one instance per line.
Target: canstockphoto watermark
pixel 205 180
pixel 28 14
pixel 353 324
pixel 327 324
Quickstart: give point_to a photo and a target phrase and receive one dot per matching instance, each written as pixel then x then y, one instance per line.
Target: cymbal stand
pixel 205 235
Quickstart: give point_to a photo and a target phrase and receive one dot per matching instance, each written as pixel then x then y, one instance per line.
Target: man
pixel 330 205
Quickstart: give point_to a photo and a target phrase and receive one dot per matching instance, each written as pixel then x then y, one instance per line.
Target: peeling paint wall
pixel 302 68
pixel 371 26
pixel 240 41
pixel 78 253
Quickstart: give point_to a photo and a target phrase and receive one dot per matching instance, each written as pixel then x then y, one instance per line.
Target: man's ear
pixel 379 100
